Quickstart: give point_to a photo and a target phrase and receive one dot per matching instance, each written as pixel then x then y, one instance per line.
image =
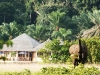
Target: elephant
pixel 79 53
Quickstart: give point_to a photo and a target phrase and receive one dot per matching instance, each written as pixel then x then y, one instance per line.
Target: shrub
pixel 80 70
pixel 93 45
pixel 71 71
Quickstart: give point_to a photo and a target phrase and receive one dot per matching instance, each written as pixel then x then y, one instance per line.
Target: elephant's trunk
pixel 80 50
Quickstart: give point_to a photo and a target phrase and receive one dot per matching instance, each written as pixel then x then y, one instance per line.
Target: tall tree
pixel 83 22
pixel 61 34
pixel 9 30
pixel 56 19
pixel 7 12
pixel 84 5
pixel 20 16
pixel 30 9
pixel 95 30
pixel 38 32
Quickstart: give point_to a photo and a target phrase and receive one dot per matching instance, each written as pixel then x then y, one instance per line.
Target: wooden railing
pixel 24 59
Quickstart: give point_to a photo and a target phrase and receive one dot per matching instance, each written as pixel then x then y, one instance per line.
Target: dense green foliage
pixel 58 71
pixel 53 19
pixel 72 71
pixel 74 16
pixel 93 45
pixel 58 51
pixel 59 20
pixel 8 43
pixel 24 72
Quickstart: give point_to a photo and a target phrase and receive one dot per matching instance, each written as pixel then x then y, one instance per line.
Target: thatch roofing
pixel 22 43
pixel 42 45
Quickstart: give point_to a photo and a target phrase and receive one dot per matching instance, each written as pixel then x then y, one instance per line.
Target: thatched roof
pixel 22 43
pixel 42 45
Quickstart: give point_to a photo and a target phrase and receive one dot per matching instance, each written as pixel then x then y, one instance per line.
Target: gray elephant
pixel 79 53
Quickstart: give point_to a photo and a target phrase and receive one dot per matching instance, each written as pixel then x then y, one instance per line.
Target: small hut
pixel 22 49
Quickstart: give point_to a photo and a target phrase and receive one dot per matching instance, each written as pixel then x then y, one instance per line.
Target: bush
pixel 71 71
pixel 93 45
pixel 24 72
pixel 60 53
pixel 80 70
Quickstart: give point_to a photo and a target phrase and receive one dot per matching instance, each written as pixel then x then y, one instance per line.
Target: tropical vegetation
pixel 58 71
pixel 57 20
pixel 41 19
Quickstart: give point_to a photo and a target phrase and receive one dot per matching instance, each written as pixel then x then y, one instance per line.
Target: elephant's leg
pixel 75 62
pixel 84 58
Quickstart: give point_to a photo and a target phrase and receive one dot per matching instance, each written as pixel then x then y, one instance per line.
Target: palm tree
pixel 83 21
pixel 37 31
pixel 95 17
pixel 95 30
pixel 61 34
pixel 1 44
pixel 56 18
pixel 9 29
pixel 8 43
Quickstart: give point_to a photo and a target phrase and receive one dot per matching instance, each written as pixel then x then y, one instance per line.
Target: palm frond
pixel 9 43
pixel 1 44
